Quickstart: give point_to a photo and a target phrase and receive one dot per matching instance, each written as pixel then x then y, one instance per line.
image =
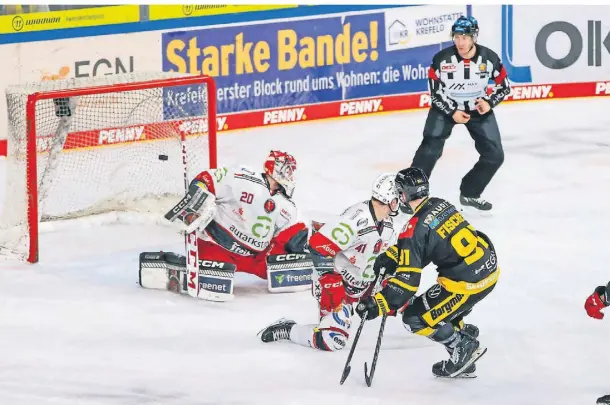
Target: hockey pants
pixel 437 313
pixel 483 129
pixel 255 264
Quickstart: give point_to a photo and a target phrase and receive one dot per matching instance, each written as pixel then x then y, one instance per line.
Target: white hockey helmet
pixel 385 191
pixel 281 166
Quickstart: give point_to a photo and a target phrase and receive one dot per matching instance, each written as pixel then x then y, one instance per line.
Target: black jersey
pixel 455 83
pixel 439 234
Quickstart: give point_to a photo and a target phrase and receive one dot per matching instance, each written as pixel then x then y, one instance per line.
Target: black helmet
pixel 465 26
pixel 412 184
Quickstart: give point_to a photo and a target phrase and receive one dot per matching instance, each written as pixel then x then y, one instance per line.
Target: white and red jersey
pixel 355 239
pixel 248 216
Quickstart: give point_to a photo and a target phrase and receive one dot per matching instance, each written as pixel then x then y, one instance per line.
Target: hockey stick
pixel 190 239
pixel 347 368
pixel 369 377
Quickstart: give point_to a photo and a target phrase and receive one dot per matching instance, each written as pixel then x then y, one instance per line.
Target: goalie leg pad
pixel 289 272
pixel 163 271
pixel 216 280
pixel 167 271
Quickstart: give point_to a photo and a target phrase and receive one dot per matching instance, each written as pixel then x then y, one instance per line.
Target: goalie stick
pixel 190 239
pixel 196 209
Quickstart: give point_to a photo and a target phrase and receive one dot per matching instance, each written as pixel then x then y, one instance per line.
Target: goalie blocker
pixel 195 210
pixel 167 271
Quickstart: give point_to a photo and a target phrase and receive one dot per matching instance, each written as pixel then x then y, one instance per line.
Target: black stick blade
pixel 346 371
pixel 368 378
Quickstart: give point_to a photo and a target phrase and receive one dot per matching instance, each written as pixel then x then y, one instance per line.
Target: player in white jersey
pixel 255 215
pixel 344 252
pixel 245 222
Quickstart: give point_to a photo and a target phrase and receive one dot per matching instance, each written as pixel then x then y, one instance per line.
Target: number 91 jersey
pixel 438 233
pixel 355 239
pixel 248 216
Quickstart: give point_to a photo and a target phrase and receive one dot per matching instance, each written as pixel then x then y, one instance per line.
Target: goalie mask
pixel 384 190
pixel 281 166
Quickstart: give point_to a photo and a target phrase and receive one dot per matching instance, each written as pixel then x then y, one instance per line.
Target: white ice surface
pixel 77 329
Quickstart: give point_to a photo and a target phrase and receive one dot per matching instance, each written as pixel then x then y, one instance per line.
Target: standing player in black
pixel 458 80
pixel 467 265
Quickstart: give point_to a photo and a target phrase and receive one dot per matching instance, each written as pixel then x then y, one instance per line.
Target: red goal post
pixel 83 147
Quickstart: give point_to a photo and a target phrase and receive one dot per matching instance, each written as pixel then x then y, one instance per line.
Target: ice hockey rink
pixel 77 329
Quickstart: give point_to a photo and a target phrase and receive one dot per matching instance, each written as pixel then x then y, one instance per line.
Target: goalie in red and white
pixel 343 252
pixel 247 222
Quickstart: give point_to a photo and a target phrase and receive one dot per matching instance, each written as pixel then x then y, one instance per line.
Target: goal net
pixel 115 144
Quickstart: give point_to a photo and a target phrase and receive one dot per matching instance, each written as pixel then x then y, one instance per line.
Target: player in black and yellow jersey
pixel 467 265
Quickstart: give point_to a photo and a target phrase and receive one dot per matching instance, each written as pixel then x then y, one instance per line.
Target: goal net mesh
pixel 100 152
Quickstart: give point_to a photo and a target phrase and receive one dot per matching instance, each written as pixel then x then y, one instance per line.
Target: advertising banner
pixel 318 60
pixel 162 130
pixel 88 57
pixel 548 44
pixel 298 70
pixel 164 12
pixel 82 17
pixel 37 62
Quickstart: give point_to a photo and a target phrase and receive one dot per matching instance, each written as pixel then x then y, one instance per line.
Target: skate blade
pixel 472 211
pixel 476 355
pixel 463 375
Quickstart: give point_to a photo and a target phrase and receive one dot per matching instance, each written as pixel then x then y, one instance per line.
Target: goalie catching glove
pixel 195 210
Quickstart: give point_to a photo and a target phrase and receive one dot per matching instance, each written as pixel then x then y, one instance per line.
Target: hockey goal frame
pixel 31 171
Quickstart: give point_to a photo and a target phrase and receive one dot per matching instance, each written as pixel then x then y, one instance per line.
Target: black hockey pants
pixel 438 312
pixel 484 131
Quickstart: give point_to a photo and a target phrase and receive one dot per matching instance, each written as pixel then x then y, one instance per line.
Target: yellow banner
pixel 84 17
pixel 198 10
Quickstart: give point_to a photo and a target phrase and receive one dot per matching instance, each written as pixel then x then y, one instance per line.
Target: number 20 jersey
pixel 248 216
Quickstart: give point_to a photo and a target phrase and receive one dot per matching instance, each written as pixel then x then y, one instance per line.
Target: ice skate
pixel 477 203
pixel 472 331
pixel 603 400
pixel 279 330
pixel 463 356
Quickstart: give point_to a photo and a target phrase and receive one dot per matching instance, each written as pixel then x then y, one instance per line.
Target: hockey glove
pixel 386 262
pixel 195 210
pixel 372 307
pixel 596 302
pixel 298 242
